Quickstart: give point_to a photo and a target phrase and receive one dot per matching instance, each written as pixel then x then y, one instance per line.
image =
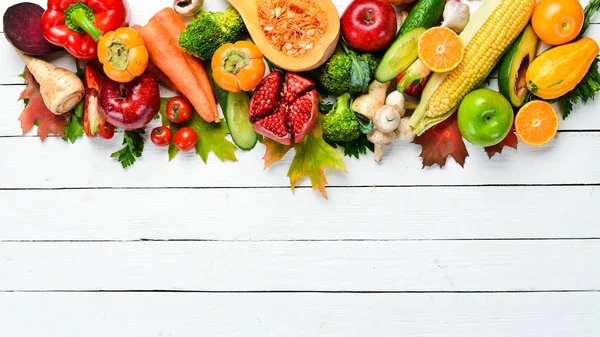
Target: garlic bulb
pixel 456 16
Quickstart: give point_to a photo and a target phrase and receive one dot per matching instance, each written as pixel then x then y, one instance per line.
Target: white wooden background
pixel 505 247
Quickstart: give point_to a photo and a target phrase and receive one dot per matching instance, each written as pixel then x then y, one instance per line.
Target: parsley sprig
pixel 134 146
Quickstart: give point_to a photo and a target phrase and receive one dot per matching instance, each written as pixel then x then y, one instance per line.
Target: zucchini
pixel 401 55
pixel 425 13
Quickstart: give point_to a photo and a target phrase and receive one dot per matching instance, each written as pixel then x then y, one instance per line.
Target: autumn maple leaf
pixel 313 154
pixel 36 111
pixel 442 141
pixel 511 140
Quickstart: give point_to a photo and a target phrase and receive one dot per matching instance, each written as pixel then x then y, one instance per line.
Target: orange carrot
pixel 155 71
pixel 174 24
pixel 167 57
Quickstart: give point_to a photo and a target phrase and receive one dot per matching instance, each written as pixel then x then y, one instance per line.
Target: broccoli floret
pixel 336 74
pixel 341 124
pixel 211 30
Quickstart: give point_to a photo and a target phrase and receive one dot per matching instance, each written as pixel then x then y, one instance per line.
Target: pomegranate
pixel 284 107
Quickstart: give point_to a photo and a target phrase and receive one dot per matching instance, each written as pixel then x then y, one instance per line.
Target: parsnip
pixel 60 88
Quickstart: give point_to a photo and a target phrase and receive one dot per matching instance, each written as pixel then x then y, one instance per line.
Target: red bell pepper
pixel 94 122
pixel 78 25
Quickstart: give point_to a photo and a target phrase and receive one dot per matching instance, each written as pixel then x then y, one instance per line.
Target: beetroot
pixel 284 107
pixel 22 28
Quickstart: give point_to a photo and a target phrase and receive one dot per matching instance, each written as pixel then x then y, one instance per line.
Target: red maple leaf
pixel 441 141
pixel 36 110
pixel 511 140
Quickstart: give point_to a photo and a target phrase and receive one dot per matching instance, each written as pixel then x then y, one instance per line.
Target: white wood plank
pixel 257 215
pixel 314 266
pixel 331 315
pixel 55 164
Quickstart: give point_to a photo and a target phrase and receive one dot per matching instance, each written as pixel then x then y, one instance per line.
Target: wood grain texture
pixel 567 160
pixel 453 258
pixel 242 215
pixel 315 266
pixel 299 315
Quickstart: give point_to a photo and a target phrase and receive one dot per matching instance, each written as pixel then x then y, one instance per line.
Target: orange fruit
pixel 440 49
pixel 536 123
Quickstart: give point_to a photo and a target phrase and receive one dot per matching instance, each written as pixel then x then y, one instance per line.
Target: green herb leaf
pixel 355 148
pixel 73 129
pixel 589 12
pixel 585 91
pixel 134 146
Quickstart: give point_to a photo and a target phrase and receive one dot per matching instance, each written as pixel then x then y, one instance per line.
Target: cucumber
pixel 401 55
pixel 236 114
pixel 235 108
pixel 425 14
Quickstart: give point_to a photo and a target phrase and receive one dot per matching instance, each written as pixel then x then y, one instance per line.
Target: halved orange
pixel 536 123
pixel 440 49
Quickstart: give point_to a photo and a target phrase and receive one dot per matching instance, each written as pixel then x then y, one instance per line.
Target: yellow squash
pixel 558 70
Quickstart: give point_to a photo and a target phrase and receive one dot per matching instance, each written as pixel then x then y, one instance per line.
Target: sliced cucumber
pixel 236 114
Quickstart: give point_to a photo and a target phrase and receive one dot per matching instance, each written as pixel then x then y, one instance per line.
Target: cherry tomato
pixel 106 130
pixel 179 109
pixel 557 22
pixel 415 89
pixel 161 136
pixel 185 139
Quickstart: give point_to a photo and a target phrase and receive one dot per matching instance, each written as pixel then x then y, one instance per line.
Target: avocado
pixel 513 67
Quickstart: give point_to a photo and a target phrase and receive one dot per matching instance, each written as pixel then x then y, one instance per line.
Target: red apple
pixel 132 105
pixel 369 25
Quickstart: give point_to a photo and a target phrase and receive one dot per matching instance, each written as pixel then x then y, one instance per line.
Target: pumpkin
pixel 557 71
pixel 308 46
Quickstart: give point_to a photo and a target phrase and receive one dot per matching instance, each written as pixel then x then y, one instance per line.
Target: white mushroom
pixel 387 118
pixel 380 139
pixel 188 7
pixel 396 98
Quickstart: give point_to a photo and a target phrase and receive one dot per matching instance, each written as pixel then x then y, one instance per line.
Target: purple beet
pixel 22 28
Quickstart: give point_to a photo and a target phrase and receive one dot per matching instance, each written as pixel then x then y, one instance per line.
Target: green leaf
pixel 325 108
pixel 211 136
pixel 360 73
pixel 313 154
pixel 585 91
pixel 134 146
pixel 589 12
pixel 23 75
pixel 354 148
pixel 73 129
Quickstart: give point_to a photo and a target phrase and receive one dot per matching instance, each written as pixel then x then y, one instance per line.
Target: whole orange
pixel 557 22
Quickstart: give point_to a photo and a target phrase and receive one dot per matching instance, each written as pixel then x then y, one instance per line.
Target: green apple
pixel 485 117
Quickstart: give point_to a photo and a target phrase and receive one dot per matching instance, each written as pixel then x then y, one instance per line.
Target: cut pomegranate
pixel 284 107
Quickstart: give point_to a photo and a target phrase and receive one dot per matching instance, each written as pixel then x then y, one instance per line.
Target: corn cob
pixel 481 55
